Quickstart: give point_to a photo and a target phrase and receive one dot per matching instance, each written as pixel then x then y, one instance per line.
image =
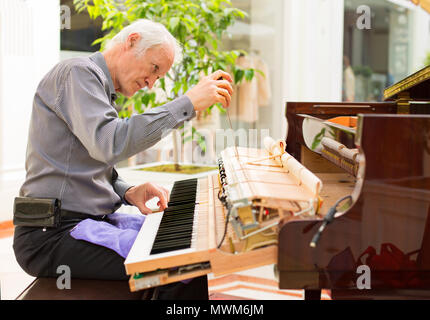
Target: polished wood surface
pixel 326 110
pixel 391 209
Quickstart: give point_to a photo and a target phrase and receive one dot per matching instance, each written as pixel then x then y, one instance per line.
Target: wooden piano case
pixel 390 212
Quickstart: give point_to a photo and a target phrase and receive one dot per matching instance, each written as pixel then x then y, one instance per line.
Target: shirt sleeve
pixel 120 186
pixel 86 109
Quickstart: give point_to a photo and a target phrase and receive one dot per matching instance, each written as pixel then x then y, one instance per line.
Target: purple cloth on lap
pixel 117 233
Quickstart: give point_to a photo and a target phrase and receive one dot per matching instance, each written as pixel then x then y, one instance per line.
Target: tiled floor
pixel 259 283
pixel 254 284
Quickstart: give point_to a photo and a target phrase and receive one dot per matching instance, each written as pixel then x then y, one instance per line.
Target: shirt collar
pixel 99 60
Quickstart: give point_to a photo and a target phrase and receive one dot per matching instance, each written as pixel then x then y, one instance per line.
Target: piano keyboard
pixel 176 227
pixel 185 233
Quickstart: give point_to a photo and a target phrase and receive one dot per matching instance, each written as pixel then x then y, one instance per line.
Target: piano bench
pixel 82 289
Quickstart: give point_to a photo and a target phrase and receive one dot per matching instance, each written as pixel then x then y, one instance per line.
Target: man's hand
pixel 210 90
pixel 139 195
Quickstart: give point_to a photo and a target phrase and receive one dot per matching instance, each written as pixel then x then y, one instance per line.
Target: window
pixel 82 33
pixel 378 57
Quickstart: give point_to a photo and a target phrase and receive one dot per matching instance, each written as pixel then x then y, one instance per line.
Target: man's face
pixel 139 71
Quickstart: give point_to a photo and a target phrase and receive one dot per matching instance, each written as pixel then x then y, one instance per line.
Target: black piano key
pixel 177 188
pixel 184 183
pixel 177 202
pixel 188 206
pixel 183 193
pixel 171 248
pixel 185 205
pixel 184 230
pixel 187 181
pixel 175 230
pixel 177 223
pixel 174 236
pixel 184 198
pixel 183 190
pixel 180 201
pixel 167 240
pixel 171 243
pixel 182 222
pixel 180 213
pixel 171 226
pixel 179 220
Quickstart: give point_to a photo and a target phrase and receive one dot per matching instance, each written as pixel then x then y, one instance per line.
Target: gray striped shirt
pixel 76 136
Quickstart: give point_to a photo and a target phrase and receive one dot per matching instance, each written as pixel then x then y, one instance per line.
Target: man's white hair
pixel 151 33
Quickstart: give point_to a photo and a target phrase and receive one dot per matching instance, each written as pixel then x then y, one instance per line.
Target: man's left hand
pixel 139 195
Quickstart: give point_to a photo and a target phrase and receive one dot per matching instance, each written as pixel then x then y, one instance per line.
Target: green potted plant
pixel 198 25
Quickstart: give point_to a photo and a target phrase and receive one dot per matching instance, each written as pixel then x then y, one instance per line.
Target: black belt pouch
pixel 36 212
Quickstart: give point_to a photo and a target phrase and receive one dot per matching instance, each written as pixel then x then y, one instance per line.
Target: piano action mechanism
pixel 225 222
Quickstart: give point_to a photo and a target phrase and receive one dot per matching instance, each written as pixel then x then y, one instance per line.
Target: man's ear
pixel 132 40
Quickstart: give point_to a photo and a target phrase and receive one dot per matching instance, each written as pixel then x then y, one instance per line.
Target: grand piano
pixel 377 157
pixel 342 203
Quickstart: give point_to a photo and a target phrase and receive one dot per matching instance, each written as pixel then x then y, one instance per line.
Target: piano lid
pixel 415 87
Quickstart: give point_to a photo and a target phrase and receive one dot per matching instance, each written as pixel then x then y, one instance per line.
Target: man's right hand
pixel 210 90
pixel 139 195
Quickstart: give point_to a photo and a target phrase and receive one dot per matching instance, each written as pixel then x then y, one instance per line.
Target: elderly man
pixel 76 138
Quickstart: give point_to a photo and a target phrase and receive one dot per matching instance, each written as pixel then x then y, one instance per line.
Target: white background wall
pixel 313 50
pixel 420 40
pixel 304 53
pixel 267 34
pixel 29 47
pixel 30 43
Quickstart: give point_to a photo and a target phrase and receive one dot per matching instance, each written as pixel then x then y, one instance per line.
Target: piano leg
pixel 312 294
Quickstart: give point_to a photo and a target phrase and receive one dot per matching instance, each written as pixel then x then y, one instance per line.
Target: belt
pixel 78 215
